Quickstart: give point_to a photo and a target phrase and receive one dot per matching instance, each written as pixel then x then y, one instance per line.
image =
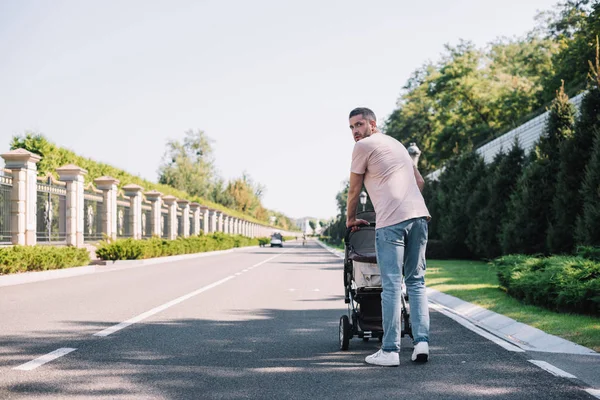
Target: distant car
pixel 276 240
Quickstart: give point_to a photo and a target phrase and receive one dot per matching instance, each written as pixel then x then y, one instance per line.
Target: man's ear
pixel 373 124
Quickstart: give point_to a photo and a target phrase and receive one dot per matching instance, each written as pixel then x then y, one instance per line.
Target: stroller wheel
pixel 345 332
pixel 365 339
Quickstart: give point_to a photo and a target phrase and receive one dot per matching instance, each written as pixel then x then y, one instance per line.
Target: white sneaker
pixel 384 358
pixel 421 352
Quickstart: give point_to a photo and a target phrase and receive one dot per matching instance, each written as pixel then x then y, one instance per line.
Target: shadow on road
pixel 274 354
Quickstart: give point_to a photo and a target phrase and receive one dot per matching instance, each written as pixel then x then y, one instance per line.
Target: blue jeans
pixel 401 245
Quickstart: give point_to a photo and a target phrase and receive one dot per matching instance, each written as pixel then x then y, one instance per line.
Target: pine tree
pixel 574 156
pixel 530 207
pixel 460 179
pixel 588 223
pixel 503 180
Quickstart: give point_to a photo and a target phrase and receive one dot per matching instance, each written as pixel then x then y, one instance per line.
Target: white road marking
pixel 552 369
pixel 143 316
pixel 477 330
pixel 269 259
pixel 33 364
pixel 594 392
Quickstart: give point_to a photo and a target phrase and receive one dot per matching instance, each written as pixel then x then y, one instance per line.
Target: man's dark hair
pixel 365 112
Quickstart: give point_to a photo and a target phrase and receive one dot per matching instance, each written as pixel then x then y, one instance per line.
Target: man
pixel 394 185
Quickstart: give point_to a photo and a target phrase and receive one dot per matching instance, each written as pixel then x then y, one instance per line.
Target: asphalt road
pixel 259 323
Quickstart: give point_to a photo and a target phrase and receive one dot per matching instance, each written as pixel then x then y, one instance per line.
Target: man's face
pixel 361 127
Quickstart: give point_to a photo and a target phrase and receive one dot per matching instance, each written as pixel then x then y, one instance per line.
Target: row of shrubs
pixel 559 283
pixel 130 249
pixel 40 258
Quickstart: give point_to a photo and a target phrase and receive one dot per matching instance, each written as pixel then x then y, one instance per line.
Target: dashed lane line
pixel 33 364
pixel 30 365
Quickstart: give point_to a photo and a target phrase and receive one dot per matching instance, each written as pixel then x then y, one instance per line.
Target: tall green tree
pixel 189 165
pixel 588 226
pixel 245 194
pixel 470 96
pixel 503 176
pixel 530 205
pixel 574 26
pixel 459 180
pixel 574 156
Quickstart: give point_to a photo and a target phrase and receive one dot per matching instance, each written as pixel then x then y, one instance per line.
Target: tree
pixel 574 26
pixel 189 165
pixel 503 176
pixel 574 156
pixel 470 96
pixel 458 181
pixel 531 204
pixel 312 225
pixel 246 194
pixel 588 228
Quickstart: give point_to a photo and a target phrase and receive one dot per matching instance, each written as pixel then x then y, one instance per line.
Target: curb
pixel 102 266
pixel 521 335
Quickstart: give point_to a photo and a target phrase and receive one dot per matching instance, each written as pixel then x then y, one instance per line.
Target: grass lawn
pixel 476 282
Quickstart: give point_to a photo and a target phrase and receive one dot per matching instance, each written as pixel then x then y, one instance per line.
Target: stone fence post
pixel 74 177
pixel 205 212
pixel 195 210
pixel 171 202
pixel 219 221
pixel 108 185
pixel 185 216
pixel 154 197
pixel 226 224
pixel 212 225
pixel 23 198
pixel 134 192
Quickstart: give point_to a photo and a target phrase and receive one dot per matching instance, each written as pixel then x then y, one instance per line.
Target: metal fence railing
pixel 146 218
pixel 51 211
pixel 164 223
pixel 123 218
pixel 5 193
pixel 179 223
pixel 93 207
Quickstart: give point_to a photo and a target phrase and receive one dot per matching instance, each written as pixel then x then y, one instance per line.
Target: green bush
pixel 130 249
pixel 589 252
pixel 569 284
pixel 40 258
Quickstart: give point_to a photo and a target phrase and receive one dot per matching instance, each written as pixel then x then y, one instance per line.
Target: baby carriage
pixel 362 284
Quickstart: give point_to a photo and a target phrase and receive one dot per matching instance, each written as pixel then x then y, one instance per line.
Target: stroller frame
pixel 364 316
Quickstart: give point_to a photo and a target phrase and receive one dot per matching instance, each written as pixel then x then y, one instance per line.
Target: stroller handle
pixel 348 230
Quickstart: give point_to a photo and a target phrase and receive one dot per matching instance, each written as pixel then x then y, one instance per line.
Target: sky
pixel 271 82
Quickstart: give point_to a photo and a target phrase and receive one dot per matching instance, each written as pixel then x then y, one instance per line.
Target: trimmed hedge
pixel 567 284
pixel 130 249
pixel 40 258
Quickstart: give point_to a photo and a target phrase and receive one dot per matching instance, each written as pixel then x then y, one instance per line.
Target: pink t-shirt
pixel 389 179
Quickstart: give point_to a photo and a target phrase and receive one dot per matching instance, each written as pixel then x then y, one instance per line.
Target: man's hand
pixel 354 223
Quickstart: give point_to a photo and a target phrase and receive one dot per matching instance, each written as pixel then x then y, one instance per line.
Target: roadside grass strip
pixel 476 282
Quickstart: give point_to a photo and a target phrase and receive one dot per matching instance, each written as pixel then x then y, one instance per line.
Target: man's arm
pixel 356 182
pixel 419 178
